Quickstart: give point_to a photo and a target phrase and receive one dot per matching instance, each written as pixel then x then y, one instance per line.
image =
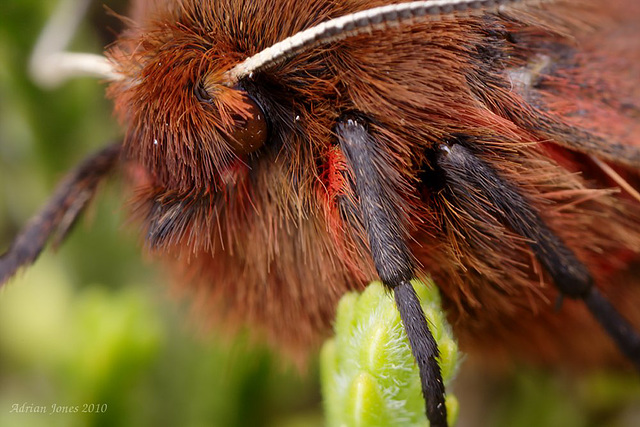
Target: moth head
pixel 178 86
pixel 184 122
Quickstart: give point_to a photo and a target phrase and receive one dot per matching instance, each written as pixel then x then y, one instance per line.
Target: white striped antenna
pixel 51 65
pixel 359 23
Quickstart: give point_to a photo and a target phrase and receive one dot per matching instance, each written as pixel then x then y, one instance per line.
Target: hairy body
pixel 271 237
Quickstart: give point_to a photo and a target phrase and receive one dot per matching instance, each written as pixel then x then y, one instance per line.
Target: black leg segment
pixel 470 177
pixel 60 213
pixel 380 211
pixel 425 350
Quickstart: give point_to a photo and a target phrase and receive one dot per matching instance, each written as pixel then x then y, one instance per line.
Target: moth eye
pixel 201 94
pixel 250 129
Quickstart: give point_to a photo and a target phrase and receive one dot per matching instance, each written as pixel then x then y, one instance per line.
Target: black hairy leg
pixel 58 216
pixel 378 206
pixel 468 176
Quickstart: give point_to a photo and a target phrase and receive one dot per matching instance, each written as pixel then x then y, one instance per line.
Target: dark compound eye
pixel 250 131
pixel 201 94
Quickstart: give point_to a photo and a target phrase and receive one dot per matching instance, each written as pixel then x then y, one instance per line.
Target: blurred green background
pixel 94 324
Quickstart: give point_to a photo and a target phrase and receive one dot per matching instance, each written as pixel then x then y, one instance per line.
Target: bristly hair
pixel 279 221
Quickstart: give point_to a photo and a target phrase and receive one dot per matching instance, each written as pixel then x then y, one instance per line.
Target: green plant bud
pixel 369 375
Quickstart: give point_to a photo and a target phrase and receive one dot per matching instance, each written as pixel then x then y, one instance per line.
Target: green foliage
pixel 132 356
pixel 369 376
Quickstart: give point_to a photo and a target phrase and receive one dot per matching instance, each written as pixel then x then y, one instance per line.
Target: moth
pixel 274 144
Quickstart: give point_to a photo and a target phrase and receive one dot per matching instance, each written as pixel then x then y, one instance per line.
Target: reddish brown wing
pixel 594 86
pixel 578 96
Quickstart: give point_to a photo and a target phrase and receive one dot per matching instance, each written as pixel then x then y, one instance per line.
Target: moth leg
pixel 470 177
pixel 61 211
pixel 378 204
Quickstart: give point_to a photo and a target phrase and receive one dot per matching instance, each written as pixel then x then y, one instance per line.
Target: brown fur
pixel 260 239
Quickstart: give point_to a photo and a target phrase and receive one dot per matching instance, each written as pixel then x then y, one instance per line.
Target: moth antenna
pixel 615 176
pixel 358 23
pixel 51 65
